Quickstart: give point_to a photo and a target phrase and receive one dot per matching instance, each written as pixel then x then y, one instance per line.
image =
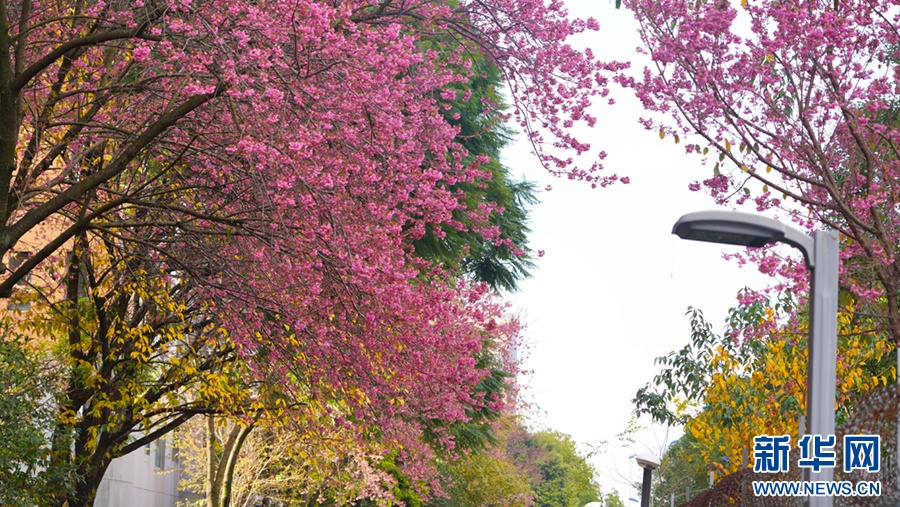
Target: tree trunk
pixel 230 464
pixel 220 469
pixel 212 492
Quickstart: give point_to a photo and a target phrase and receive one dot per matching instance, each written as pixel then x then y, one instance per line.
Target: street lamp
pixel 649 463
pixel 820 251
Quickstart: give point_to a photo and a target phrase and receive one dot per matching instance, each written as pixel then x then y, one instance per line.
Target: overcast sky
pixel 611 292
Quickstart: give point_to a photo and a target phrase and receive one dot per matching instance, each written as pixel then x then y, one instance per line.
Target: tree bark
pixel 212 493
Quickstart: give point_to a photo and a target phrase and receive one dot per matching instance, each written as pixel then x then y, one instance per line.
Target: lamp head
pixel 731 229
pixel 647 460
pixel 744 229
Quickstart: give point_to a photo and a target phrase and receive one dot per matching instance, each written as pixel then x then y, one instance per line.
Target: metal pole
pixel 822 347
pixel 645 488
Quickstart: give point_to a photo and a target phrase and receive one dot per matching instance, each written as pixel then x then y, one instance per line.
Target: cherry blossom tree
pixel 185 183
pixel 260 108
pixel 796 104
pixel 468 255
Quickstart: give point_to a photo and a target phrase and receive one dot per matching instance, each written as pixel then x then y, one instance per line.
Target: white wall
pixel 134 481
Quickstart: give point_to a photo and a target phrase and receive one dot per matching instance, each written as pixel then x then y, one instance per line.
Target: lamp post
pixel 820 251
pixel 649 463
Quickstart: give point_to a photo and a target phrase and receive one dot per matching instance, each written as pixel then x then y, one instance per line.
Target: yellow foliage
pixel 767 396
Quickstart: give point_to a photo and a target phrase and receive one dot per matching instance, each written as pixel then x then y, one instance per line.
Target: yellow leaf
pixel 768 169
pixel 744 3
pixel 727 146
pixel 662 134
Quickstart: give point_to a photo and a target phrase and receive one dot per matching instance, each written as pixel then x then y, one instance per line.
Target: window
pixel 159 461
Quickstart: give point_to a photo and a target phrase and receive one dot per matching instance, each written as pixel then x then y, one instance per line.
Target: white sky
pixel 611 292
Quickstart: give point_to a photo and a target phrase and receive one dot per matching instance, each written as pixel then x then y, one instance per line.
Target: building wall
pixel 136 480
